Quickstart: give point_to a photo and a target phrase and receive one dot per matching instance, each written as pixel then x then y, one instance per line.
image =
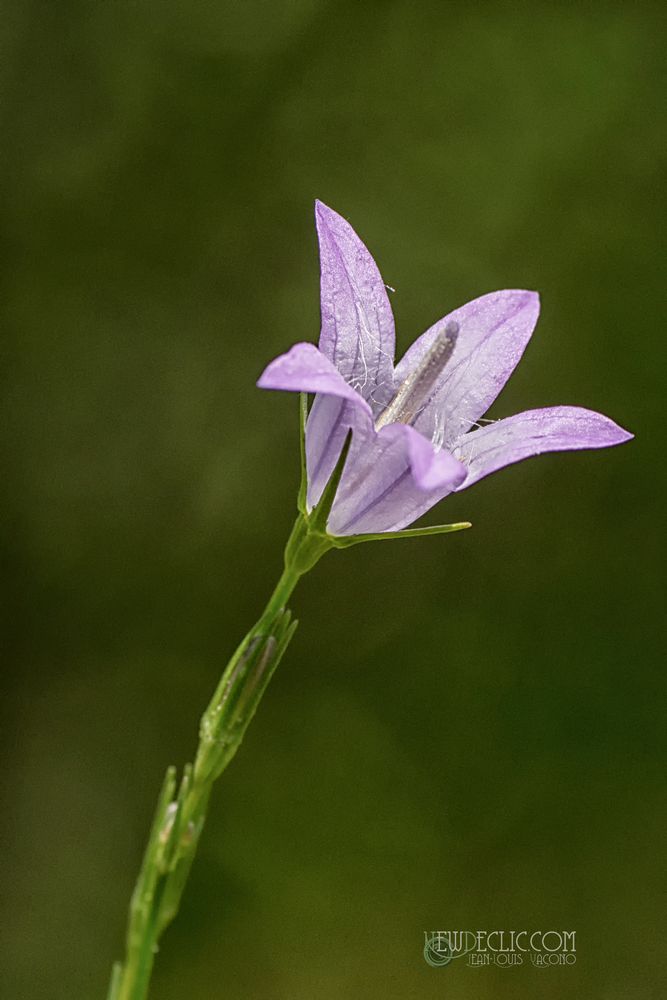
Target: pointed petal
pixel 493 333
pixel 431 467
pixel 557 428
pixel 336 409
pixel 357 322
pixel 305 369
pixel 391 478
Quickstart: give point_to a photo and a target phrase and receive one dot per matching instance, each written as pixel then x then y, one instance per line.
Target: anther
pixel 418 386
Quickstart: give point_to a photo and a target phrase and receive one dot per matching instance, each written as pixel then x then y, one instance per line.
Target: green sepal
pixel 317 520
pixel 345 541
pixel 301 500
pixel 116 981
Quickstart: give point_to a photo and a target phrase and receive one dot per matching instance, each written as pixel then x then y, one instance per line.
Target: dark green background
pixel 468 730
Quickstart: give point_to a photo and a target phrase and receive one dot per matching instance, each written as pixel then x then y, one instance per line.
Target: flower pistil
pixel 418 387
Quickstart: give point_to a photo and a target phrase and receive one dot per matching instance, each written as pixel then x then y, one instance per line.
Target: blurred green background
pixel 468 731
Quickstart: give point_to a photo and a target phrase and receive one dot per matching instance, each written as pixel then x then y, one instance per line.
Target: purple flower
pixel 418 432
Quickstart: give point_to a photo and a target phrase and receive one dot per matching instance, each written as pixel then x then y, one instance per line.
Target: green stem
pixel 180 814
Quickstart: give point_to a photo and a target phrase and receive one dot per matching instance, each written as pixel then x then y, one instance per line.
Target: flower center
pixel 416 391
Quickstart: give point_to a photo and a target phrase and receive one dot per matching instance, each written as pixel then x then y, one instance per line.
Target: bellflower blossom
pixel 416 430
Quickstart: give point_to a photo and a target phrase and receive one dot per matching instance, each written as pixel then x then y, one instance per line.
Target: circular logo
pixel 437 950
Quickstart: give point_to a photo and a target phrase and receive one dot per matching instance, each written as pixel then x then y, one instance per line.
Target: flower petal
pixel 329 420
pixel 391 478
pixel 557 428
pixel 305 369
pixel 493 333
pixel 336 408
pixel 357 322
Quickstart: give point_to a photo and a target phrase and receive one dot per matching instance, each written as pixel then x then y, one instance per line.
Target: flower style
pixel 416 431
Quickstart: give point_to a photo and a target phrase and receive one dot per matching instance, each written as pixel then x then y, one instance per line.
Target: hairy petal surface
pixel 391 477
pixel 557 428
pixel 493 333
pixel 305 369
pixel 357 322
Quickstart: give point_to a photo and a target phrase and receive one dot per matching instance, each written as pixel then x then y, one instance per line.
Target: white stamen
pixel 418 386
